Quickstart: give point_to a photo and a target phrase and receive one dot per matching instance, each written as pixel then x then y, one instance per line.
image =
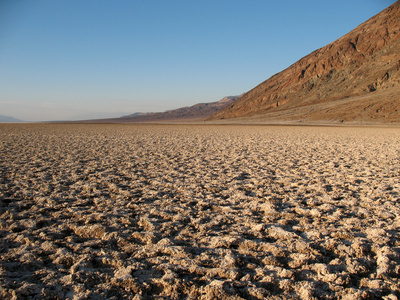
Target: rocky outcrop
pixel 364 61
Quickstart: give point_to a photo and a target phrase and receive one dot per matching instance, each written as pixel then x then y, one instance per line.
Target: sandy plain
pixel 199 212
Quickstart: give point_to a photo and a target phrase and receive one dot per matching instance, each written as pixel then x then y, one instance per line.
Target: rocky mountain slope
pixel 355 78
pixel 197 112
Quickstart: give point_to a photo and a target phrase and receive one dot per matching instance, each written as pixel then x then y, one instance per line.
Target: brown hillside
pixel 364 62
pixel 195 113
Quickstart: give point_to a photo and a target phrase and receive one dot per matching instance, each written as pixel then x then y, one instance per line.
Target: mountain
pixel 195 113
pixel 94 115
pixel 8 119
pixel 354 79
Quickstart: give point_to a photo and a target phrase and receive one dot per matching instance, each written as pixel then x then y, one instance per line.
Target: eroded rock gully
pixel 199 212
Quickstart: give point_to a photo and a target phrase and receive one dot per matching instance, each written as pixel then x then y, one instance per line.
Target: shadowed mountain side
pixel 364 62
pixel 9 119
pixel 195 113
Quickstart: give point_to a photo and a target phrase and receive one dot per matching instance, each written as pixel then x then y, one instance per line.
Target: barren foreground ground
pixel 199 212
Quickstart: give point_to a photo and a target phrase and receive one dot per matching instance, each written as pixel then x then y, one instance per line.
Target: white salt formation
pixel 199 212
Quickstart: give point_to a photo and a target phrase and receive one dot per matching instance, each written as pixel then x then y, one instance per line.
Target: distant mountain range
pixel 8 119
pixel 354 79
pixel 196 113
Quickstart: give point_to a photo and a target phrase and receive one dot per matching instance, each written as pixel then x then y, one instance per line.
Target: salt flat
pixel 199 212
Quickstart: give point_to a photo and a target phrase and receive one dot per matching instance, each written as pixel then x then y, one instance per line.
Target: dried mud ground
pixel 199 212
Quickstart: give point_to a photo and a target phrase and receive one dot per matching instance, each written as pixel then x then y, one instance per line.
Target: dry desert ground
pixel 199 212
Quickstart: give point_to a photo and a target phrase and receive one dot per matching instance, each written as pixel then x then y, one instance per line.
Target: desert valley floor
pixel 199 212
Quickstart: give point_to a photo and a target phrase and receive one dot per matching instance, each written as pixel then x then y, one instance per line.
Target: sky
pixel 82 59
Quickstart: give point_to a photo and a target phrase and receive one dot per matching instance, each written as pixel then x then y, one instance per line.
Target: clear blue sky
pixel 65 59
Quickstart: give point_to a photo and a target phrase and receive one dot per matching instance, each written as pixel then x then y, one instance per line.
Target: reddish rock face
pixel 364 61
